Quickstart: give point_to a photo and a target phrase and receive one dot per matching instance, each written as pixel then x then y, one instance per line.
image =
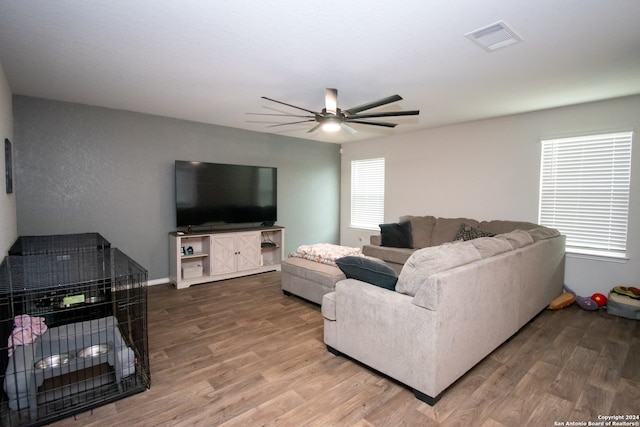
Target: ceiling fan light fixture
pixel 331 125
pixel 333 119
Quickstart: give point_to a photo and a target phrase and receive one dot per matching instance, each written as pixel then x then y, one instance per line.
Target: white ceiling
pixel 211 61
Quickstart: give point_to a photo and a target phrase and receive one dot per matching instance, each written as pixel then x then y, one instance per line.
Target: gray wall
pixel 85 169
pixel 8 222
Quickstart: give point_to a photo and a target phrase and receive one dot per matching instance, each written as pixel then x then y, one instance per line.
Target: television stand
pixel 223 254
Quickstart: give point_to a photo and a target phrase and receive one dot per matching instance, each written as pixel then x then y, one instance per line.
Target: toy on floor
pixel 587 303
pixel 568 297
pixel 623 301
pixel 564 300
pixel 599 299
pixel 594 302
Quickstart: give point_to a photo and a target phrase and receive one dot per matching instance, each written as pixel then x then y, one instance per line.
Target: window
pixel 584 191
pixel 367 193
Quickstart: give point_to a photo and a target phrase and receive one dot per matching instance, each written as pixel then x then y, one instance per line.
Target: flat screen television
pixel 217 194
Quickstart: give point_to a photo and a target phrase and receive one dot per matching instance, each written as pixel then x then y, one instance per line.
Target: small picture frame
pixel 8 165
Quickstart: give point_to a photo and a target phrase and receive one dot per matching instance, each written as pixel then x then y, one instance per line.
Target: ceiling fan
pixel 332 118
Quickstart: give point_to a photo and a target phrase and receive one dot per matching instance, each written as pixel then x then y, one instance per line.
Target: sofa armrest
pixel 375 239
pixel 384 330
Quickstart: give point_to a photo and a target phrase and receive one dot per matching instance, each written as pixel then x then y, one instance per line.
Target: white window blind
pixel 367 193
pixel 584 191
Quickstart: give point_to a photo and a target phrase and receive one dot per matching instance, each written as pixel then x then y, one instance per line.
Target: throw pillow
pixel 488 246
pixel 467 232
pixel 542 233
pixel 421 229
pixel 446 228
pixel 396 235
pixel 517 238
pixel 369 271
pixel 425 262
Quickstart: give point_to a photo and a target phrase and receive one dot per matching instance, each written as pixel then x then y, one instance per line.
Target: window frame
pixel 367 193
pixel 585 189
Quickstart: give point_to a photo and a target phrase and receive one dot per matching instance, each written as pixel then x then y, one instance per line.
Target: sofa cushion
pixel 369 271
pixel 394 255
pixel 489 246
pixel 322 274
pixel 421 229
pixel 499 226
pixel 517 238
pixel 542 233
pixel 396 235
pixel 446 228
pixel 467 232
pixel 427 261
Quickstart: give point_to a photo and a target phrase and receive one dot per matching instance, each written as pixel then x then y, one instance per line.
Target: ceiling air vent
pixel 494 36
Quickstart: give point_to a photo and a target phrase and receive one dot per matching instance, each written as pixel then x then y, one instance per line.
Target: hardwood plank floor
pixel 240 353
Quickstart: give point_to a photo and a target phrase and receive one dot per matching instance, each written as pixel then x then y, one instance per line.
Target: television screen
pixel 216 193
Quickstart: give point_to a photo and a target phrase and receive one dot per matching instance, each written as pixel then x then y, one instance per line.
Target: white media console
pixel 217 255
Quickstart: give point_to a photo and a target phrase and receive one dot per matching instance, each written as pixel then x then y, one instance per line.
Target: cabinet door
pixel 248 250
pixel 223 258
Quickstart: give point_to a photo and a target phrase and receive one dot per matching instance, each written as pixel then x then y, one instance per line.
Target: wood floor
pixel 239 353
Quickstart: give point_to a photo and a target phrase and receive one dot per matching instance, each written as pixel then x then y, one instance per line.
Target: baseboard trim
pixel 162 281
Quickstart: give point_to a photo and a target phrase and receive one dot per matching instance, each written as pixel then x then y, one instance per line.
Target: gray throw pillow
pixel 396 235
pixel 467 232
pixel 369 271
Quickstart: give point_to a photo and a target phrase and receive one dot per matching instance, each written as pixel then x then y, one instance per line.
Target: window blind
pixel 584 191
pixel 367 193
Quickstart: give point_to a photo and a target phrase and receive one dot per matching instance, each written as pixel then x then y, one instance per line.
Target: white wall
pixel 8 223
pixel 490 169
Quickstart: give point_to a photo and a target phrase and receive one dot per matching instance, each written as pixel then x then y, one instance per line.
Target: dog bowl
pixel 53 361
pixel 93 351
pixel 94 299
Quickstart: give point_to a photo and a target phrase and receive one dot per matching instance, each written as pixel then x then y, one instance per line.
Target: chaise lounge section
pixel 309 279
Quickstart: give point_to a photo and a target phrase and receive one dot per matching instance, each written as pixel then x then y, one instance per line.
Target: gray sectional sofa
pixel 454 303
pixel 426 231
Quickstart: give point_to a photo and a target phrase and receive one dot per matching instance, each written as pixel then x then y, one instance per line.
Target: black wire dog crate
pixel 60 243
pixel 73 325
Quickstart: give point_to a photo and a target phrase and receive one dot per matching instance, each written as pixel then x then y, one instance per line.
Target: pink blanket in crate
pixel 26 330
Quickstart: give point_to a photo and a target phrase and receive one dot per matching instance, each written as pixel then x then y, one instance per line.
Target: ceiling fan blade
pixel 331 100
pixel 289 105
pixel 374 104
pixel 314 128
pixel 291 123
pixel 367 122
pixel 280 115
pixel 385 114
pixel 350 129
